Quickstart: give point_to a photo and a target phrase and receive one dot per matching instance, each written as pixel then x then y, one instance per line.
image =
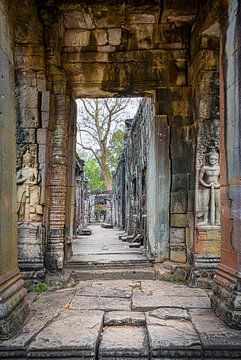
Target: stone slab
pixel 33 325
pixel 217 339
pixel 168 313
pixel 174 338
pixel 125 342
pixel 167 288
pixel 106 257
pixel 131 273
pixel 117 289
pixel 72 333
pixel 57 299
pixel 142 302
pixel 100 303
pixel 124 318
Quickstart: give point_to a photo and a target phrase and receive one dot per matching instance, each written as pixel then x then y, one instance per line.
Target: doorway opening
pixel 106 194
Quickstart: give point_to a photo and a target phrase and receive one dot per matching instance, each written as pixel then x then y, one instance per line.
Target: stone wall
pixel 13 310
pixel 34 138
pixel 153 176
pixel 99 206
pixel 81 206
pixel 204 252
pixel 226 300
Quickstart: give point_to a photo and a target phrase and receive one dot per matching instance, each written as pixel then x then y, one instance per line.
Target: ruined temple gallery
pixel 178 182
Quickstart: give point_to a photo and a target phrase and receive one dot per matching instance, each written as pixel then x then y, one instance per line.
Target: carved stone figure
pixel 28 191
pixel 209 191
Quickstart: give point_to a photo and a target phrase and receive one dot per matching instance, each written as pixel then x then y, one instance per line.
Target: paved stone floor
pixel 123 319
pixel 120 318
pixel 104 246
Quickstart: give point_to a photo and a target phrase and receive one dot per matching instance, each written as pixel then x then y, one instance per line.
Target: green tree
pixel 99 122
pixel 95 177
pixel 116 148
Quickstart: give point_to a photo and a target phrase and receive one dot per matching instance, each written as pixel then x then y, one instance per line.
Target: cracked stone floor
pixel 120 319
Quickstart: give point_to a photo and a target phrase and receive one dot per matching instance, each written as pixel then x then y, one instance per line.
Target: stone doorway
pixel 169 51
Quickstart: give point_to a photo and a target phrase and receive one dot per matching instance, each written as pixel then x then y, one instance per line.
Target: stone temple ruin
pixel 178 181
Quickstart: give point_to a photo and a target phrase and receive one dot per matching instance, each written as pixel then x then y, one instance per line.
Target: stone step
pixel 111 265
pixel 134 273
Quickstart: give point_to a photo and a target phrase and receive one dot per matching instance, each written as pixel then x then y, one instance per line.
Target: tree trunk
pixel 107 178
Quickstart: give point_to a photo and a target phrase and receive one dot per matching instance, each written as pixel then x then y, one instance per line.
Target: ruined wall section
pixel 46 140
pixel 62 156
pixel 13 309
pixel 204 252
pixel 131 49
pixel 119 187
pixel 136 153
pixel 35 118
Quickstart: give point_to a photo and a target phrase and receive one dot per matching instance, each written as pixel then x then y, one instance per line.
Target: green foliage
pixel 93 173
pixel 41 287
pixel 116 148
pixel 177 279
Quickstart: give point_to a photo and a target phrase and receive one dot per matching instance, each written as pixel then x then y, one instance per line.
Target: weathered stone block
pixel 143 18
pixel 42 153
pixel 100 303
pixel 179 182
pixel 178 220
pixel 28 117
pixel 29 57
pixel 178 253
pixel 177 235
pixel 76 37
pixel 30 245
pixel 124 342
pixel 180 165
pixel 174 337
pixel 166 314
pixel 101 36
pixel 114 36
pixel 45 119
pixel 45 101
pixel 178 202
pixel 42 136
pixel 26 136
pixel 70 336
pixel 41 81
pixel 28 97
pixel 124 318
pixel 74 19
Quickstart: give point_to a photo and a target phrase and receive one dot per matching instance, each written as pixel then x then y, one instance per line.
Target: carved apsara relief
pixel 208 169
pixel 28 189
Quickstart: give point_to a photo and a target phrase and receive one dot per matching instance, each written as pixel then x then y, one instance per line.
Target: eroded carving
pixel 28 190
pixel 208 169
pixel 209 191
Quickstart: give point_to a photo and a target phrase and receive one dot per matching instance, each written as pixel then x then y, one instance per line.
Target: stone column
pixel 158 188
pixel 71 167
pixel 58 186
pixel 13 310
pixel 226 300
pixel 204 77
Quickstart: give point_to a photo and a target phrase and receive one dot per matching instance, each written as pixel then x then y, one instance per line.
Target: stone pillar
pixel 70 200
pixel 226 300
pixel 13 310
pixel 158 188
pixel 58 186
pixel 204 252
